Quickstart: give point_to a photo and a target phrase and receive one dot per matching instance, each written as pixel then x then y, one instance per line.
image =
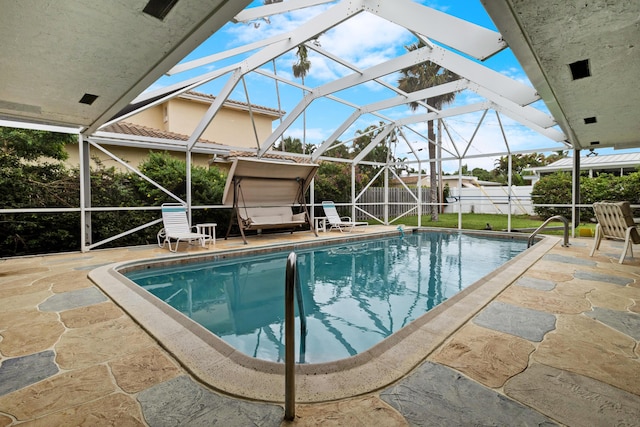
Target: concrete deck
pixel 559 345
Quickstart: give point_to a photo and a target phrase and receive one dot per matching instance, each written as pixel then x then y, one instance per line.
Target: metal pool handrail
pixel 544 224
pixel 290 339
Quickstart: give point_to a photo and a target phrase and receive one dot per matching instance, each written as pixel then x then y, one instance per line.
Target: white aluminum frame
pixel 445 37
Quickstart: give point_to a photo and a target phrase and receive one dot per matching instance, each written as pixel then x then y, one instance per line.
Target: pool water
pixel 354 294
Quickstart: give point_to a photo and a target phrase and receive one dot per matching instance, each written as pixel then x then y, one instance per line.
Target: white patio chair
pixel 337 222
pixel 176 227
pixel 615 221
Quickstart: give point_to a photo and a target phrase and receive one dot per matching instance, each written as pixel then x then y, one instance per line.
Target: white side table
pixel 321 223
pixel 208 228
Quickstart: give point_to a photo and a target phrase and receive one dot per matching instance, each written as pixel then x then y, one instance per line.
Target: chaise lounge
pixel 176 227
pixel 339 223
pixel 615 221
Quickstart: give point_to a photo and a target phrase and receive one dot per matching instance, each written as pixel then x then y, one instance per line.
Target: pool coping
pixel 220 366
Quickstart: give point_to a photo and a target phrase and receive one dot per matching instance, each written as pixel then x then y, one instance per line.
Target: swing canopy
pixel 261 183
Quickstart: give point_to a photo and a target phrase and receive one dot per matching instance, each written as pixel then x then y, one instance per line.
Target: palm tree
pixel 300 70
pixel 422 76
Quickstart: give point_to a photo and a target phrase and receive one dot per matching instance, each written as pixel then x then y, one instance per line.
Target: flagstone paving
pixel 434 395
pixel 558 346
pixel 593 403
pixel 523 322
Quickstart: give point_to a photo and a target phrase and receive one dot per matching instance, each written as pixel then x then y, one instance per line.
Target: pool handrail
pixel 303 317
pixel 544 224
pixel 290 339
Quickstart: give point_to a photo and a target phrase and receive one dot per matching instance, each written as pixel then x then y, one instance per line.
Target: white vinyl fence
pixel 491 200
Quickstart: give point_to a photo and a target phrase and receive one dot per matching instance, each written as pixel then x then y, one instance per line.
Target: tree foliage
pixel 333 180
pixel 303 65
pixel 556 189
pixel 294 145
pixel 20 146
pixel 379 153
pixel 422 76
pixel 32 175
pixel 520 162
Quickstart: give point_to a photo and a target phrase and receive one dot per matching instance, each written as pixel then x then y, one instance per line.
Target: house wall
pixel 229 127
pixel 155 117
pixel 133 156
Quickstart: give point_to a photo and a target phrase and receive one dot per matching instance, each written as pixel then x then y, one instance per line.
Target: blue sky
pixel 364 41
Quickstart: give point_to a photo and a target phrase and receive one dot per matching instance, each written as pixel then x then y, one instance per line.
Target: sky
pixel 365 40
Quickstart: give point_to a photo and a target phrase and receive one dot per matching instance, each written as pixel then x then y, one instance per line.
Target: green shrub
pixel 556 189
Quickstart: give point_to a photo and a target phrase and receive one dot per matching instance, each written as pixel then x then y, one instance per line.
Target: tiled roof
pixel 283 156
pixel 139 130
pixel 144 131
pixel 211 98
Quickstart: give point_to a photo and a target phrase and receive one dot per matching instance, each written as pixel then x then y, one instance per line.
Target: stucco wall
pixel 153 118
pixel 133 156
pixel 229 127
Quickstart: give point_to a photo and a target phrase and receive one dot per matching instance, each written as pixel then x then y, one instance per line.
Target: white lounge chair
pixel 615 221
pixel 337 222
pixel 176 227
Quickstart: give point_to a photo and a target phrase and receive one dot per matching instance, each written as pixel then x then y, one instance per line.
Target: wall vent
pixel 580 69
pixel 595 142
pixel 590 120
pixel 88 99
pixel 159 8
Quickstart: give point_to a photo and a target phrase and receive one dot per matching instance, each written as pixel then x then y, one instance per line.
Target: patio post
pixel 85 192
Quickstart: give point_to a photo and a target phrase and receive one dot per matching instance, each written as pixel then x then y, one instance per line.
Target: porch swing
pixel 264 193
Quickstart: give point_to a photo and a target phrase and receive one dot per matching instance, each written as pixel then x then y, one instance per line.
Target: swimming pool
pixel 218 365
pixel 355 294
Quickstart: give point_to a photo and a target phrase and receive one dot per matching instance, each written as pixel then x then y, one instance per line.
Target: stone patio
pixel 557 346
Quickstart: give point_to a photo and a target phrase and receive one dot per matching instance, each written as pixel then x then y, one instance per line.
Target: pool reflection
pixel 354 295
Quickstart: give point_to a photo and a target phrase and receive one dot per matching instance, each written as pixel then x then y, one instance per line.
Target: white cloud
pixel 365 40
pixel 277 24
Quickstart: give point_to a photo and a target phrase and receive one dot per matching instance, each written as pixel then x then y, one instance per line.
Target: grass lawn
pixel 474 221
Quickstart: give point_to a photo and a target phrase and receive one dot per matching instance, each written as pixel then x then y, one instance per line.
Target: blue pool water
pixel 355 294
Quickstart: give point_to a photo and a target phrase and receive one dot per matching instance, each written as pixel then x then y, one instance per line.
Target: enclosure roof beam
pixel 214 108
pixel 532 114
pixel 411 58
pixel 389 103
pixel 450 112
pixel 226 54
pixel 551 133
pixel 331 97
pixel 375 141
pixel 505 86
pixel 349 65
pixel 430 92
pixel 464 36
pixel 265 11
pixel 326 145
pixel 491 80
pixel 311 29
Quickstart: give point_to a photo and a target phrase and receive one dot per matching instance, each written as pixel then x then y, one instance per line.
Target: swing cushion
pixel 270 217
